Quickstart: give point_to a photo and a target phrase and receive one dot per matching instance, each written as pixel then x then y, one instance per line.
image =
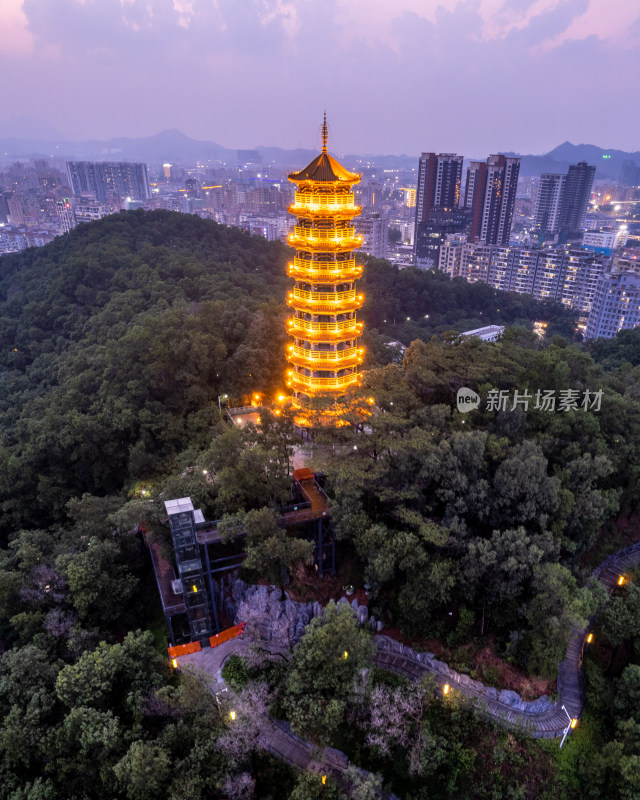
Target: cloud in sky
pixel 403 76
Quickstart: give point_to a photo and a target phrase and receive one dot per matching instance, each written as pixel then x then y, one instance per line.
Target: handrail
pixel 343 380
pixel 307 325
pixel 331 200
pixel 325 355
pixel 317 297
pixel 322 266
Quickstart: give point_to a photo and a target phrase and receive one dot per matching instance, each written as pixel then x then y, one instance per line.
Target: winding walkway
pixel 540 719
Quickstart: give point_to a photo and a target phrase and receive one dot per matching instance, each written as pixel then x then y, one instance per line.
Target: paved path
pixel 506 706
pixel 278 739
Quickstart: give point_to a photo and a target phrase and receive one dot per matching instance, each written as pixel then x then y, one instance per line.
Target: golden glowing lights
pixel 621 580
pixel 232 715
pixel 324 780
pixel 345 655
pixel 195 588
pixel 445 689
pixel 324 299
pixel 174 663
pixel 574 722
pixel 589 638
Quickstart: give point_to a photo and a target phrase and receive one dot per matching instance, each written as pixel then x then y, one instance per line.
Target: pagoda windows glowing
pixel 324 355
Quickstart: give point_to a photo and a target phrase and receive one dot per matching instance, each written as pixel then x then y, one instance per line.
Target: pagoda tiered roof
pixel 324 169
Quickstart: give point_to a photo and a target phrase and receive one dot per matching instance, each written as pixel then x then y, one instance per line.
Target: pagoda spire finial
pixel 325 133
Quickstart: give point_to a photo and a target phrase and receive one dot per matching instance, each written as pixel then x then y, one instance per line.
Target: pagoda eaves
pixel 324 355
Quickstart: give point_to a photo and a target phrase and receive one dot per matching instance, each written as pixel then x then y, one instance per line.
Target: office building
pixel 431 235
pixel 106 180
pixel 490 196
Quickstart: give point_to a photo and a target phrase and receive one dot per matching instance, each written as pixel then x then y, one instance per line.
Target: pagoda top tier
pixel 324 168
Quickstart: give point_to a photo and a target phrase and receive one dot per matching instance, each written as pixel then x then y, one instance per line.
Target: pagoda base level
pixel 307 420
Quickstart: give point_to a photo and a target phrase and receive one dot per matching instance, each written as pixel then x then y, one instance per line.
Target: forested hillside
pixel 474 530
pixel 116 341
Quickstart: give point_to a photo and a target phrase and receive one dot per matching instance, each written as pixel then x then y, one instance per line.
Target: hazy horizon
pixel 468 76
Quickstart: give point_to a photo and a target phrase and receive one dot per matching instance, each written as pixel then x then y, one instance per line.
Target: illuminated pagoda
pixel 324 355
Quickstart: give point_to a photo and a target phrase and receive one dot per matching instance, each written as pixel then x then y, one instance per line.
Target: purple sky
pixel 467 76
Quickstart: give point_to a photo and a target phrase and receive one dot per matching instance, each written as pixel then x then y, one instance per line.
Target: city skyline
pixel 220 71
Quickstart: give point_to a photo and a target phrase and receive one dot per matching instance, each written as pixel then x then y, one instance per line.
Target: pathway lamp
pixel 222 397
pixel 232 715
pixel 621 580
pixel 445 689
pixel 572 724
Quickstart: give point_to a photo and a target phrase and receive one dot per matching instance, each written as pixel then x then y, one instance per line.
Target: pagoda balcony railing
pixel 334 305
pixel 329 366
pixel 324 383
pixel 320 202
pixel 323 276
pixel 326 266
pixel 305 237
pixel 304 269
pixel 324 297
pixel 330 327
pixel 343 359
pixel 326 210
pixel 323 355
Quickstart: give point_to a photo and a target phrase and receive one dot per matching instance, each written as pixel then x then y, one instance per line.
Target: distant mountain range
pixel 177 148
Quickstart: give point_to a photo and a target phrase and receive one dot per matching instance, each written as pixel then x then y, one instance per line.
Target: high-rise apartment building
pixel 439 179
pixel 566 274
pixel 438 210
pixel 562 202
pixel 546 217
pixel 109 179
pixel 577 193
pixel 374 227
pixel 490 196
pixel 616 303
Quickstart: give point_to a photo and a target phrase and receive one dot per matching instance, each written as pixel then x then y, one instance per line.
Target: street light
pixel 222 397
pixel 572 724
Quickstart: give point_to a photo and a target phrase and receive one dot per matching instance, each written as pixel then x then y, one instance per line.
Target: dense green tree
pixel 101 585
pixel 324 664
pixel 557 607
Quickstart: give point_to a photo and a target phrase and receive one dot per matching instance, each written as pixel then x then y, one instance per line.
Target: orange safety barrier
pixel 224 636
pixel 184 649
